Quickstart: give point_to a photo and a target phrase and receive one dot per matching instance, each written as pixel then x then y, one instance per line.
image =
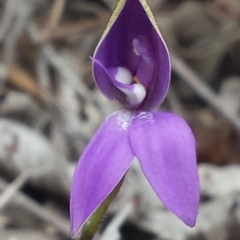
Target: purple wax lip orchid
pixel 131 64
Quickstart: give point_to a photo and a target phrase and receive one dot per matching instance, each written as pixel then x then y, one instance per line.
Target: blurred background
pixel 50 108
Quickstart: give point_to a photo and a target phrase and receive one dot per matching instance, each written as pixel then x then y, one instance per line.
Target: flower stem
pixel 92 225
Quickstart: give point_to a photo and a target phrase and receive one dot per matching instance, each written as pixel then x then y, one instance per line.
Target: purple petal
pixel 165 148
pixel 132 40
pixel 100 168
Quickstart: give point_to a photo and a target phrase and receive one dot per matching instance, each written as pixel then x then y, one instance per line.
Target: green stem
pixel 92 225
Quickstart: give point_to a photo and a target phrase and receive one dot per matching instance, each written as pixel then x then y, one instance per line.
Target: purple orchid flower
pixel 131 64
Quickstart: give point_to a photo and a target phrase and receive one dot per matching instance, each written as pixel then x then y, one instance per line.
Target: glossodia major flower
pixel 131 64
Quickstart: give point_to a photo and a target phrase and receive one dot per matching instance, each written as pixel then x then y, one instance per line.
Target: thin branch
pixel 10 191
pixel 198 85
pixel 14 187
pixel 62 225
pixel 72 29
pixel 56 13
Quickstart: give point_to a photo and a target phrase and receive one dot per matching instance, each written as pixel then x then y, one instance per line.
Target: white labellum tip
pixel 123 75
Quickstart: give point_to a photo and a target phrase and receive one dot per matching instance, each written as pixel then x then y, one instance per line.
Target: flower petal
pixel 100 168
pixel 132 40
pixel 165 148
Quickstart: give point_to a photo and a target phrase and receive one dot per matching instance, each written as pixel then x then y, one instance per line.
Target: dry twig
pixel 14 187
pixel 192 79
pixel 56 13
pixel 62 225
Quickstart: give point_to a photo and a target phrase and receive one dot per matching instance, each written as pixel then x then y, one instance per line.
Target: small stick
pixel 13 188
pixel 174 102
pixel 48 216
pixel 9 192
pixel 198 85
pixel 56 14
pixel 74 29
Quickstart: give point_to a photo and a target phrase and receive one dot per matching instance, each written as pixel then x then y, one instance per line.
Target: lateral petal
pixel 102 165
pixel 165 148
